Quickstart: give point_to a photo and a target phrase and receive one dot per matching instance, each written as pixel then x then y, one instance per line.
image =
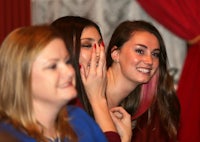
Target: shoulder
pixel 75 110
pixel 85 127
pixel 80 117
pixel 9 133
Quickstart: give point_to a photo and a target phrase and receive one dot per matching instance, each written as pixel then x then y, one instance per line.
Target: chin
pixel 144 81
pixel 74 94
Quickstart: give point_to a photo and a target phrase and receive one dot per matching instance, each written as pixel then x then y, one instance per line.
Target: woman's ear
pixel 115 54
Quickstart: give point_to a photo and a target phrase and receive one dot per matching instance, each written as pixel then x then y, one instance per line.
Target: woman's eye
pixel 86 45
pixel 156 54
pixel 68 61
pixel 53 66
pixel 139 51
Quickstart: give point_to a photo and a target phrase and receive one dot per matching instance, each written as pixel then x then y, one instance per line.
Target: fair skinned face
pixel 138 57
pixel 89 37
pixel 53 77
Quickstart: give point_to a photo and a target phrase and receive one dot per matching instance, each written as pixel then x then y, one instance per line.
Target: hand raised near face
pixel 94 76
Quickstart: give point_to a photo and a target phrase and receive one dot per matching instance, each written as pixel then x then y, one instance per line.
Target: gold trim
pixel 194 40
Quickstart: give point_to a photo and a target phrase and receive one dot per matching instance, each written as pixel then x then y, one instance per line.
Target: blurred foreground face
pixel 89 37
pixel 139 57
pixel 53 77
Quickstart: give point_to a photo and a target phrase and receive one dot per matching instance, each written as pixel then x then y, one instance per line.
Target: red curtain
pixel 13 14
pixel 182 18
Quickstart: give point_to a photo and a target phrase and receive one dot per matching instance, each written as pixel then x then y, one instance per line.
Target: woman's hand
pixel 122 121
pixel 94 76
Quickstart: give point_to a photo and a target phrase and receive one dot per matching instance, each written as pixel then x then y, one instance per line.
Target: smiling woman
pixel 89 61
pixel 37 80
pixel 138 57
pixel 53 75
pixel 138 80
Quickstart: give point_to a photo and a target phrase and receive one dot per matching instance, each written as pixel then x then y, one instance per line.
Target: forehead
pixel 144 38
pixel 54 49
pixel 90 32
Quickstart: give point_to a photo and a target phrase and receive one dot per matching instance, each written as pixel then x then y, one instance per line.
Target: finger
pixel 118 114
pixel 120 110
pixel 114 118
pixel 98 49
pixel 98 54
pixel 93 60
pixel 101 68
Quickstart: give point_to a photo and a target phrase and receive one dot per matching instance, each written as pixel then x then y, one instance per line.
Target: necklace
pixel 50 139
pixel 57 139
pixel 54 139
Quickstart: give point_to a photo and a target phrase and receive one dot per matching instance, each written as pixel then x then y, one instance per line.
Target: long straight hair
pixel 71 28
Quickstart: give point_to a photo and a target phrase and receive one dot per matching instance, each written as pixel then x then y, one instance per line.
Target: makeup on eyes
pixel 89 42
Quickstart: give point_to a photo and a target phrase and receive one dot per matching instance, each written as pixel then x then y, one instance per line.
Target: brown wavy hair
pixel 166 104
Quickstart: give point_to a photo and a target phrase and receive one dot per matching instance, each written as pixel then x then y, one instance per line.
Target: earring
pixel 116 61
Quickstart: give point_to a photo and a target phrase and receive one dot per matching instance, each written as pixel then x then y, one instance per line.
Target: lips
pixel 65 85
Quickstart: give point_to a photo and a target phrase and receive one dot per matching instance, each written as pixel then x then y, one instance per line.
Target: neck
pixel 118 87
pixel 46 117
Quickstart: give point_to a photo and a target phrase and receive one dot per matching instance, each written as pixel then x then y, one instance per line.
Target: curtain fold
pixel 13 14
pixel 182 18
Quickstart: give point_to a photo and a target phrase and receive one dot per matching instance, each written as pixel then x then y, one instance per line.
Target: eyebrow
pixel 91 39
pixel 144 46
pixel 56 59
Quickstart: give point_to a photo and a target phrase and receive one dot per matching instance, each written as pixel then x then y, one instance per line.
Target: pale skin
pixel 135 63
pixel 94 79
pixel 90 37
pixel 53 84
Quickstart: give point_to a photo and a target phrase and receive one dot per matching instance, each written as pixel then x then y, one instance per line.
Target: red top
pixel 153 132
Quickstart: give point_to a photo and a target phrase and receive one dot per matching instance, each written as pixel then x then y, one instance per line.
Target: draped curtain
pixel 182 18
pixel 13 14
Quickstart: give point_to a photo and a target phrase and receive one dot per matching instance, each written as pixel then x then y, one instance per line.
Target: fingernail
pixel 95 45
pixel 102 43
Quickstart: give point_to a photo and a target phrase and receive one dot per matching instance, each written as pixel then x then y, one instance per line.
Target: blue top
pixel 84 126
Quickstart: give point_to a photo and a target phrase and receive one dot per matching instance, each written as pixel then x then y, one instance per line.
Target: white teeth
pixel 143 70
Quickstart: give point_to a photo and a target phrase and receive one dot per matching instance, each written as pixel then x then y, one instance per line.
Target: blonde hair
pixel 17 53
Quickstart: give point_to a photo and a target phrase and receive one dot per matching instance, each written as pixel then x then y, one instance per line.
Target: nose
pixel 68 71
pixel 148 60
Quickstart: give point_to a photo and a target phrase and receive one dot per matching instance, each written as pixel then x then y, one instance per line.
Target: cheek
pixel 156 64
pixel 43 81
pixel 155 67
pixel 74 81
pixel 85 55
pixel 37 82
pixel 132 59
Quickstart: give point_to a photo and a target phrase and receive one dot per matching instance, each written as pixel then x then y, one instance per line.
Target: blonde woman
pixel 37 80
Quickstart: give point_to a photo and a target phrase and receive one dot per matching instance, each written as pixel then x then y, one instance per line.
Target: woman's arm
pixel 94 80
